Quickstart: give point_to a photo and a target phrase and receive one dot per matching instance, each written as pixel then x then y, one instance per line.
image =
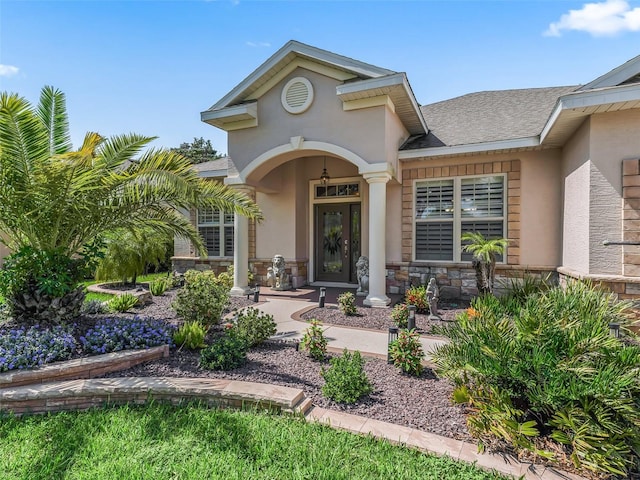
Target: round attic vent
pixel 297 95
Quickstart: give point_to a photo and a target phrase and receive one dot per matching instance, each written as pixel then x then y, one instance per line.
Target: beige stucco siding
pixel 541 208
pixel 576 172
pixel 614 138
pixel 276 234
pixel 359 131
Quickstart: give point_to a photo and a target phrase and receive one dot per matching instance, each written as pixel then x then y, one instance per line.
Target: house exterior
pixel 554 170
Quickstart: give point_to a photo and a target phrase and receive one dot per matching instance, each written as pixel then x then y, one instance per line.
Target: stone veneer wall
pixel 457 280
pixel 631 217
pixel 297 269
pixel 511 168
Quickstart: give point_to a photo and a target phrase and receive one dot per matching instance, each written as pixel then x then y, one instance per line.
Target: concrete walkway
pixel 370 342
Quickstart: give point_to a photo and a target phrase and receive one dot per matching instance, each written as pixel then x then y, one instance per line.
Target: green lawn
pixel 165 442
pixel 105 297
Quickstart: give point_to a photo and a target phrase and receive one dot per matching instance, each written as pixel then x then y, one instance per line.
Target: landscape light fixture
pixel 324 178
pixel 323 294
pixel 393 336
pixel 614 329
pixel 256 293
pixel 411 321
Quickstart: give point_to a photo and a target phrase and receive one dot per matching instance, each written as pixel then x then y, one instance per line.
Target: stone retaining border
pixel 97 392
pixel 85 367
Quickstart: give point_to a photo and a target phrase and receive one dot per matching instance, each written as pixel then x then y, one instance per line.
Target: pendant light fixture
pixel 324 178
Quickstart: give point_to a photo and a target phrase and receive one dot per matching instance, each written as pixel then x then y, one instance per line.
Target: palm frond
pixel 52 112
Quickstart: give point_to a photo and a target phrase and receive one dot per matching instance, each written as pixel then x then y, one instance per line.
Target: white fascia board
pixel 616 76
pixel 590 98
pixel 212 173
pixel 526 142
pixel 305 50
pixel 237 112
pixel 395 80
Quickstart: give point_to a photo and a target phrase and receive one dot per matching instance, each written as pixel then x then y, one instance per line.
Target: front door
pixel 337 241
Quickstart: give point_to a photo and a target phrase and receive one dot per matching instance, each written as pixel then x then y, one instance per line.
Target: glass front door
pixel 337 241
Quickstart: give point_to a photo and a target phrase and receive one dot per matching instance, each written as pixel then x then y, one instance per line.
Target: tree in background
pixel 56 203
pixel 199 151
pixel 130 253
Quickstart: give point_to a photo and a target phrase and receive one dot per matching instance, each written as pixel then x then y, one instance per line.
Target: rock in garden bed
pixel 380 318
pixel 418 402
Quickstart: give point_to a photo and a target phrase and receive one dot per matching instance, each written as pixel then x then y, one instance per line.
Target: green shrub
pixel 225 353
pixel 346 380
pixel 417 296
pixel 158 287
pixel 253 326
pixel 400 315
pixel 203 297
pixel 347 303
pixel 93 307
pixel 314 341
pixel 406 352
pixel 123 302
pixel 190 335
pixel 550 367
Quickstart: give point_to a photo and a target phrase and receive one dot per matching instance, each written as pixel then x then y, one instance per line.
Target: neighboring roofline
pixel 397 79
pixel 515 143
pixel 293 46
pixel 590 98
pixel 616 76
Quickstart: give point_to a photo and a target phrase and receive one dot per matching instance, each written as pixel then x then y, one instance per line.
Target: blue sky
pixel 151 67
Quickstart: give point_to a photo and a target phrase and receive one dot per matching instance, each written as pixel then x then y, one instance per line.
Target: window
pixel 445 209
pixel 216 229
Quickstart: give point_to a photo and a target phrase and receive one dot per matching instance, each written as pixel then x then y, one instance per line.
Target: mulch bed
pixel 418 402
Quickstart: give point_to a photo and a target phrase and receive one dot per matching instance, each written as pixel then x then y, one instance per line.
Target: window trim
pixel 457 216
pixel 222 225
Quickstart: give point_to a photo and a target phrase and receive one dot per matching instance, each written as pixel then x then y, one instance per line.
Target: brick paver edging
pixel 436 444
pixel 84 394
pixel 86 367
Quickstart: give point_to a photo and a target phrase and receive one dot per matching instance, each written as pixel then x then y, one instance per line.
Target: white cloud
pixel 258 44
pixel 599 19
pixel 8 70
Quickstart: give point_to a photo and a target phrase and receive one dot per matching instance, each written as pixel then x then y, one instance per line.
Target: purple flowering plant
pixel 115 334
pixel 31 347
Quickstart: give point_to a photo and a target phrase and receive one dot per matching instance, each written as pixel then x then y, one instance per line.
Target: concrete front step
pixel 84 394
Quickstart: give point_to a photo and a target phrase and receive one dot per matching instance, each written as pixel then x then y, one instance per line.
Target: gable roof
pixel 627 73
pixel 359 80
pixel 291 51
pixel 489 116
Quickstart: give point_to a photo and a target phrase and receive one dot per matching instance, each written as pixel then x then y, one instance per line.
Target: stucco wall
pixel 277 232
pixel 614 138
pixel 576 172
pixel 360 131
pixel 541 208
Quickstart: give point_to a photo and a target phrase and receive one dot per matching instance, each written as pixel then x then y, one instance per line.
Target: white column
pixel 241 251
pixel 377 239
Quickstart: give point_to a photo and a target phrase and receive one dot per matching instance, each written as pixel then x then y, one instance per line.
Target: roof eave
pixel 363 88
pixel 572 108
pixel 471 148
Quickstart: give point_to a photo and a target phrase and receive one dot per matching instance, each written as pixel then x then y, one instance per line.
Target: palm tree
pixel 129 254
pixel 485 251
pixel 60 201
